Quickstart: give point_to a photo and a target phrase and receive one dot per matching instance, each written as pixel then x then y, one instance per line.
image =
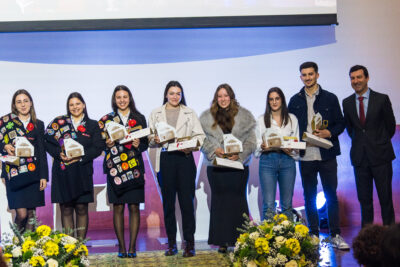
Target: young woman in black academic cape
pixel 123 164
pixel 72 178
pixel 25 183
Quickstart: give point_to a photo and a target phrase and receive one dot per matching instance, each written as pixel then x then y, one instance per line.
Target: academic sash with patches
pixel 122 162
pixel 26 172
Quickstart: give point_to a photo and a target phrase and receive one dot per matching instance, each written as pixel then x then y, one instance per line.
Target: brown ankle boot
pixel 189 250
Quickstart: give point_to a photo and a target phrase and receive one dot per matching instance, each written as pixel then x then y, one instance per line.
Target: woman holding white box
pixel 123 164
pixel 176 170
pixel 277 165
pixel 26 179
pixel 228 185
pixel 72 174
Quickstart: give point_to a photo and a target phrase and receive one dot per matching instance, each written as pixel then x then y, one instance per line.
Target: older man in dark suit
pixel 370 124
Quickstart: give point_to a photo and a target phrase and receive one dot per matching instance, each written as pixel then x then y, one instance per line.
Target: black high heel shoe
pixel 223 249
pixel 132 254
pixel 122 255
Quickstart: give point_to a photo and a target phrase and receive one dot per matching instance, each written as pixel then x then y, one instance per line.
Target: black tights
pixel 134 223
pixel 82 218
pixel 23 217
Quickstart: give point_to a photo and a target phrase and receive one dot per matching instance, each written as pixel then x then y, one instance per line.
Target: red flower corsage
pixel 30 126
pixel 131 122
pixel 81 128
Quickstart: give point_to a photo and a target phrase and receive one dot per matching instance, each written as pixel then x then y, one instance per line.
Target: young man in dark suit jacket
pixel 371 125
pixel 312 99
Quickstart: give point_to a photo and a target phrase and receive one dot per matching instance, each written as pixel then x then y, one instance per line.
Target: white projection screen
pixel 44 15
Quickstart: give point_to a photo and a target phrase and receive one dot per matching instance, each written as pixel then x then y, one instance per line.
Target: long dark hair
pixel 171 84
pixel 14 107
pixel 132 106
pixel 79 96
pixel 284 109
pixel 225 118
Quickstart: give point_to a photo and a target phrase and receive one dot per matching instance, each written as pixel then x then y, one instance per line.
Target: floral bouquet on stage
pixel 275 243
pixel 45 247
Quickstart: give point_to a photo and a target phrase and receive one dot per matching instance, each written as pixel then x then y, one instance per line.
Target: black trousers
pixel 382 175
pixel 177 176
pixel 327 170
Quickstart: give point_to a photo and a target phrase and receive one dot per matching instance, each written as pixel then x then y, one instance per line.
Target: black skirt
pixel 28 197
pixel 228 204
pixel 133 196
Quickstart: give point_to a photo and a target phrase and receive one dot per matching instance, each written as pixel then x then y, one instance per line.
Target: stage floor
pixel 151 239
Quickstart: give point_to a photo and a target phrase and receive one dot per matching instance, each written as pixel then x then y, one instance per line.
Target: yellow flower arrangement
pixel 50 249
pixel 43 230
pixel 44 247
pixel 301 229
pixel 37 261
pixel 275 242
pixel 294 245
pixel 69 247
pixel 7 256
pixel 81 250
pixel 27 245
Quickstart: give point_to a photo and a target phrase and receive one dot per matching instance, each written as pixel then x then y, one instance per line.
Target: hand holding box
pixel 165 132
pixel 232 145
pixel 116 131
pixel 23 148
pixel 73 149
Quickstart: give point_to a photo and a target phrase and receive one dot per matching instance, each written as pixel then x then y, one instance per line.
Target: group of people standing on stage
pixel 368 117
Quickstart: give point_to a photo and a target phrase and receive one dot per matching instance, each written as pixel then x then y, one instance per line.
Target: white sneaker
pixel 339 243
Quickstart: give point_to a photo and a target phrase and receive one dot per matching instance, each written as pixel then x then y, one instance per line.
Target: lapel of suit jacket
pixel 353 111
pixel 371 105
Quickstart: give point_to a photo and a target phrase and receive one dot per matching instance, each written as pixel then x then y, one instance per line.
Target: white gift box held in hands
pixel 317 124
pixel 232 145
pixel 220 162
pixel 73 149
pixel 136 134
pixel 13 160
pixel 184 143
pixel 273 139
pixel 165 132
pixel 23 148
pixel 116 131
pixel 292 142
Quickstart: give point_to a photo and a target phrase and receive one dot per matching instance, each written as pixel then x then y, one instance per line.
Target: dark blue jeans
pixel 327 170
pixel 277 167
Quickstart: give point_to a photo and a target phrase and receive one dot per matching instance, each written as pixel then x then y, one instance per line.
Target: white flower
pixel 43 240
pixel 16 252
pixel 232 257
pixel 38 252
pixel 25 264
pixel 280 240
pixel 272 261
pixel 251 264
pixel 68 240
pixel 277 228
pixel 291 263
pixel 85 261
pixel 52 263
pixel 254 235
pixel 315 240
pixel 281 259
pixel 285 223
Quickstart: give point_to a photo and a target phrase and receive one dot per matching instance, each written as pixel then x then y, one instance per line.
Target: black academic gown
pixel 23 181
pixel 73 182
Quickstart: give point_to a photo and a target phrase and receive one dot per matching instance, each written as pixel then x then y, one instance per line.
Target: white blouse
pixel 290 129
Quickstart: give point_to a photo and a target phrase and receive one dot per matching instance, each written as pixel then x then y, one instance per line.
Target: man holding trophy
pixel 320 122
